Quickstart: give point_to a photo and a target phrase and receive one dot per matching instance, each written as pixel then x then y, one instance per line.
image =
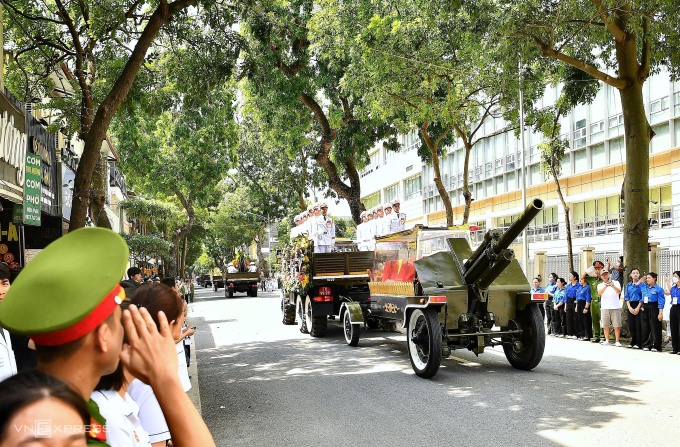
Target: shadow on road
pixel 302 379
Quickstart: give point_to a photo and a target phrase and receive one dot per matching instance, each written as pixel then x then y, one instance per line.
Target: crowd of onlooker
pixel 110 365
pixel 587 306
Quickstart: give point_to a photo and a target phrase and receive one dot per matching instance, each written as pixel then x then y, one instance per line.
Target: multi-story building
pixel 592 175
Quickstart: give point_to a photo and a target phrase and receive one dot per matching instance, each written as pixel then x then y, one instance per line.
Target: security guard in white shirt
pixel 325 231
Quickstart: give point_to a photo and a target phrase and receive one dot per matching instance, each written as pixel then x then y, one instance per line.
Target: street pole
pixel 525 245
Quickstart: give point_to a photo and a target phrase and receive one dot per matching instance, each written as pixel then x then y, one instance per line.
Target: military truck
pixel 319 286
pixel 429 282
pixel 242 282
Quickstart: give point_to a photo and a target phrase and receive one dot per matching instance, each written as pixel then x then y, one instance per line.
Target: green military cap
pixel 68 289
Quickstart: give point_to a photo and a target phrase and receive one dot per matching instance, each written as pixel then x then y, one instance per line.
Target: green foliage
pixel 146 247
pixel 345 228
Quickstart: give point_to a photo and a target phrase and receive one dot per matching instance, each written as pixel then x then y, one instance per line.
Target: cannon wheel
pixel 301 319
pixel 424 342
pixel 351 331
pixel 533 340
pixel 229 293
pixel 317 325
pixel 288 311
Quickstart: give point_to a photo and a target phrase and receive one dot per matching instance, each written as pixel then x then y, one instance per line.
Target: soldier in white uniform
pixel 295 231
pixel 325 231
pixel 387 229
pixel 362 239
pixel 252 268
pixel 398 220
pixel 378 221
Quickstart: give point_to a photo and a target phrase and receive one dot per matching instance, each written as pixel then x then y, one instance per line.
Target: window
pixel 373 164
pixel 371 200
pixel 580 161
pixel 409 168
pixel 617 151
pixel 506 221
pixel 499 164
pixel 390 155
pixel 411 140
pixel 615 120
pixel 597 156
pixel 596 128
pixel 659 105
pixel 392 192
pixel 510 162
pixel 488 168
pixel 580 134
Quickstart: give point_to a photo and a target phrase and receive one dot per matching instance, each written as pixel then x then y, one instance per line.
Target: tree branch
pixel 13 9
pixel 646 56
pixel 594 72
pixel 613 28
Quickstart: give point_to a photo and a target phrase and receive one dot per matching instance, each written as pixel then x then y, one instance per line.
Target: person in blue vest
pixel 583 302
pixel 548 304
pixel 653 300
pixel 571 291
pixel 674 323
pixel 633 305
pixel 559 304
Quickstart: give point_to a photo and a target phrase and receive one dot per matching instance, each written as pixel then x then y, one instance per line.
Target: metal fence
pixel 668 261
pixel 560 264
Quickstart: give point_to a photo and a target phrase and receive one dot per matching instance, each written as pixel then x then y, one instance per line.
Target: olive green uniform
pixel 593 281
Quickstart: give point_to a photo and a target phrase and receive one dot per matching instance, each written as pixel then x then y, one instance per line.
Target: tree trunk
pixel 467 195
pixel 258 249
pixel 182 232
pixel 184 258
pixel 98 194
pixel 434 151
pixel 566 216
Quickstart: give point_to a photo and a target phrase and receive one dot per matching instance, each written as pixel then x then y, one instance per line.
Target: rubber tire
pixel 288 312
pixel 317 325
pixel 424 364
pixel 254 293
pixel 533 339
pixel 300 313
pixel 351 331
pixel 230 293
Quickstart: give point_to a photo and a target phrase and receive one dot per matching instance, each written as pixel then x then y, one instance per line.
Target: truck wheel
pixel 424 342
pixel 301 319
pixel 527 353
pixel 254 293
pixel 352 331
pixel 317 325
pixel 230 292
pixel 288 311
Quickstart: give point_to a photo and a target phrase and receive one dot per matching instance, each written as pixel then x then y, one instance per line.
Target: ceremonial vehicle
pixel 317 286
pixel 242 282
pixel 429 282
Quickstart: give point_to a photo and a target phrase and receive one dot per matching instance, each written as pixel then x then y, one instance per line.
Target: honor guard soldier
pixel 398 219
pixel 362 233
pixel 73 319
pixel 387 206
pixel 295 231
pixel 325 231
pixel 378 221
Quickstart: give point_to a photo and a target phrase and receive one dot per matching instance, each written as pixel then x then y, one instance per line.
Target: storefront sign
pixel 10 241
pixel 43 144
pixel 13 145
pixel 32 189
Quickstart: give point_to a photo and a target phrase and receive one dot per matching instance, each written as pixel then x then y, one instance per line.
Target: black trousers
pixel 570 316
pixel 585 321
pixel 559 320
pixel 675 327
pixel 548 312
pixel 651 326
pixel 634 325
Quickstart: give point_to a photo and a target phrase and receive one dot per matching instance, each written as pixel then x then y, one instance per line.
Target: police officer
pixel 325 231
pixel 592 277
pixel 78 332
pixel 653 301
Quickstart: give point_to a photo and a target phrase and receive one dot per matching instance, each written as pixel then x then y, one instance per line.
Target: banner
pixel 32 189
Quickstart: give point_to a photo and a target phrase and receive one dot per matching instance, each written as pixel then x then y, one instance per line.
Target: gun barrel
pixel 520 224
pixel 504 260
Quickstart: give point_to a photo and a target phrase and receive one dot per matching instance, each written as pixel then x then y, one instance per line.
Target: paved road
pixel 265 384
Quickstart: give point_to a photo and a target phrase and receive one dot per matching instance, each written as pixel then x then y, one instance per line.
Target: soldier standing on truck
pixel 325 231
pixel 398 219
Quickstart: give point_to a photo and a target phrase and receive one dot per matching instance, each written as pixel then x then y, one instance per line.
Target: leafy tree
pixel 145 247
pixel 579 88
pixel 423 65
pixel 619 43
pixel 280 63
pixel 101 47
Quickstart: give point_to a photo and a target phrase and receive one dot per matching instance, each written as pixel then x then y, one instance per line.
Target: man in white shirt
pixel 252 268
pixel 378 221
pixel 362 235
pixel 387 218
pixel 609 292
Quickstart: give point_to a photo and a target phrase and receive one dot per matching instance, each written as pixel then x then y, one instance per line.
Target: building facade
pixel 592 175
